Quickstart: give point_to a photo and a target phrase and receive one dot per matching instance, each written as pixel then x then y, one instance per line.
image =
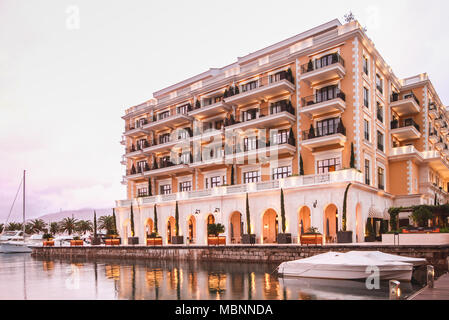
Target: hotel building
pixel 310 115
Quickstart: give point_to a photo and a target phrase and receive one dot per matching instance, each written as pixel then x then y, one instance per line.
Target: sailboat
pixel 18 245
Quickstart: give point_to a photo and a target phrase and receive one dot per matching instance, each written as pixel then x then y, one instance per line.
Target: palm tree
pixel 37 225
pixel 54 228
pixel 82 226
pixel 68 225
pixel 1 227
pixel 14 226
pixel 107 223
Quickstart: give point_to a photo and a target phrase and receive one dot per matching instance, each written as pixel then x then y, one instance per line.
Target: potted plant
pixel 132 240
pixel 48 237
pixel 312 236
pixel 248 238
pixel 421 216
pixel 76 241
pixel 344 236
pixel 177 239
pixel 369 232
pixel 283 238
pixel 154 239
pixel 213 231
pixel 310 66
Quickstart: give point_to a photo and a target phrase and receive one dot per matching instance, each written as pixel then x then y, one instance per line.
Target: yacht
pixel 353 265
pixel 18 245
pixel 10 236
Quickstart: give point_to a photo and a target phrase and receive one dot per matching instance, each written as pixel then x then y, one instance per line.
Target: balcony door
pixel 326 93
pixel 327 127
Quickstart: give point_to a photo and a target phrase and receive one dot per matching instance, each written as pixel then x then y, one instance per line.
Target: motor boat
pixel 16 247
pixel 353 265
pixel 10 236
pixel 416 262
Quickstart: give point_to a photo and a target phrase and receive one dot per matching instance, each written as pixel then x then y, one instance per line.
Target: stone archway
pixel 209 220
pixel 269 226
pixel 126 229
pixel 236 227
pixel 330 223
pixel 191 227
pixel 304 220
pixel 171 229
pixel 149 227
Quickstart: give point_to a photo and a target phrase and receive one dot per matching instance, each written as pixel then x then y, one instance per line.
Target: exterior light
pixel 265 226
pixel 197 211
pixel 217 210
pixel 395 291
pixel 315 203
pixel 430 276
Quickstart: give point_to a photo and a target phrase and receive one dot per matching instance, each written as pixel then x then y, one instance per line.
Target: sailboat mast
pixel 23 226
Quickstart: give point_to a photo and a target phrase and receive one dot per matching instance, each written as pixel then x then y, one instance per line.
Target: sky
pixel 69 69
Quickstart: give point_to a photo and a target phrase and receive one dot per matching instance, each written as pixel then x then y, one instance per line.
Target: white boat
pixel 18 245
pixel 347 266
pixel 389 257
pixel 10 236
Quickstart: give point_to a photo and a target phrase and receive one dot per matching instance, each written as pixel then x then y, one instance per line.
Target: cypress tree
pixel 115 221
pixel 301 165
pixel 344 208
pixel 352 162
pixel 150 192
pixel 232 175
pixel 132 221
pixel 155 219
pixel 283 211
pixel 177 219
pixel 248 218
pixel 95 224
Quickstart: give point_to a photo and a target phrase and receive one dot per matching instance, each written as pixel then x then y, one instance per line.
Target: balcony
pixel 405 106
pixel 444 128
pixel 170 122
pixel 329 137
pixel 326 68
pixel 319 104
pixel 263 90
pixel 209 110
pixel 404 130
pixel 433 110
pixel 445 150
pixel 136 151
pixel 433 136
pixel 166 169
pixel 262 152
pixel 215 157
pixel 440 144
pixel 135 131
pixel 439 122
pixel 282 116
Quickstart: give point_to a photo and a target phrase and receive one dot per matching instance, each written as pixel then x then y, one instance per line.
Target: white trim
pixel 409 176
pixel 184 178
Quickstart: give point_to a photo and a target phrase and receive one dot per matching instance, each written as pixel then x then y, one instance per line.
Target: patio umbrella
pixel 302 227
pixel 327 227
pixel 232 230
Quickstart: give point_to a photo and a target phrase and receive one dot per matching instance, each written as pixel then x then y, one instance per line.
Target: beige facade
pixel 247 128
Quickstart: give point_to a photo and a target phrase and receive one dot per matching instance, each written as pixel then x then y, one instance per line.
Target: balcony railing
pixel 395 124
pixel 395 97
pixel 347 175
pixel 313 65
pixel 320 97
pixel 324 131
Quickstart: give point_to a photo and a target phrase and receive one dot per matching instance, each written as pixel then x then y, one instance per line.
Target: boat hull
pixel 15 248
pixel 400 273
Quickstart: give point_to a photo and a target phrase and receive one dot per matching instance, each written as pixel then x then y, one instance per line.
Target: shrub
pixel 421 215
pixel 312 230
pixel 215 229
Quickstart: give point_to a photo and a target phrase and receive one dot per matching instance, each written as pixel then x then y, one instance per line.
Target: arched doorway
pixel 149 227
pixel 330 223
pixel 304 220
pixel 236 227
pixel 269 226
pixel 171 229
pixel 359 227
pixel 210 220
pixel 191 229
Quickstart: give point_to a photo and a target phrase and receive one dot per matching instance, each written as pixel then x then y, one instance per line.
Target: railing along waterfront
pixel 347 175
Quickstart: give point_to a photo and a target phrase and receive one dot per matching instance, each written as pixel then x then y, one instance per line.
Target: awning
pixel 375 213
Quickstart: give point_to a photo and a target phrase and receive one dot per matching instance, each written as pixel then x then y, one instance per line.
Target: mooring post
pixel 430 276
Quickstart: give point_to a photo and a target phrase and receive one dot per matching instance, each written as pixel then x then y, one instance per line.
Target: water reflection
pixel 162 280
